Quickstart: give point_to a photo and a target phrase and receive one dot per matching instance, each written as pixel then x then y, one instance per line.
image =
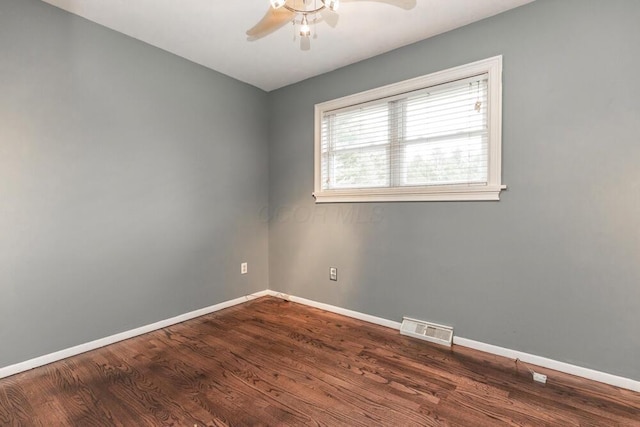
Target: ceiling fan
pixel 302 13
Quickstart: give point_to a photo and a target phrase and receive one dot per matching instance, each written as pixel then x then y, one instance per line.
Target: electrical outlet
pixel 333 274
pixel 540 378
pixel 243 268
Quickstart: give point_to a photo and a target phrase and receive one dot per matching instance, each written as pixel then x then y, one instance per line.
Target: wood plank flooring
pixel 277 363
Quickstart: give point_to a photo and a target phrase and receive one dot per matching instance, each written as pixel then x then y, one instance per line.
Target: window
pixel 436 137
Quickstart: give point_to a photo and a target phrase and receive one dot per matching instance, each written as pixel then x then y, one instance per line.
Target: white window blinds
pixel 432 136
pixel 436 137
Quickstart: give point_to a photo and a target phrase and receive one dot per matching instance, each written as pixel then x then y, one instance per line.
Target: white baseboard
pixel 82 348
pixel 556 365
pixel 338 310
pixel 544 362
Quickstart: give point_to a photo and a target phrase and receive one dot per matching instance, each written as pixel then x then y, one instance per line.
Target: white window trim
pixel 464 192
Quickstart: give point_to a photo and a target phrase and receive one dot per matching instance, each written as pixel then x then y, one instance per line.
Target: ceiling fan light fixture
pixel 305 30
pixel 332 4
pixel 277 4
pixel 298 12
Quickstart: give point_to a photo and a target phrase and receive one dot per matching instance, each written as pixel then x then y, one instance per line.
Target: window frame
pixel 447 192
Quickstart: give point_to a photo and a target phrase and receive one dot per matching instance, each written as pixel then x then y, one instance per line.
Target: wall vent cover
pixel 431 332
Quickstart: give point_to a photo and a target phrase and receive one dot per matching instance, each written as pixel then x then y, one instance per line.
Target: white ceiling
pixel 212 32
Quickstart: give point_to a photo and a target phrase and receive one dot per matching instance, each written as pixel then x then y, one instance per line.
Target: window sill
pixel 432 194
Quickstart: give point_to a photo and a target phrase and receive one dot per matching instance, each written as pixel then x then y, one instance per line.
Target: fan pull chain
pixel 315 20
pixel 315 26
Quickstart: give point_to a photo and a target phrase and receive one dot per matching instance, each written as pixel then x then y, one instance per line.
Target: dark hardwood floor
pixel 272 362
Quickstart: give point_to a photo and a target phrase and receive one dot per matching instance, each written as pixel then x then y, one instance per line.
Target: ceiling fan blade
pixel 271 21
pixel 403 4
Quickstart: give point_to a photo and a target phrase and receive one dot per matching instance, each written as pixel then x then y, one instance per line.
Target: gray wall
pixel 554 267
pixel 131 183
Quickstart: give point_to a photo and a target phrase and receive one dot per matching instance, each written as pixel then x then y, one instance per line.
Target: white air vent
pixel 427 331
